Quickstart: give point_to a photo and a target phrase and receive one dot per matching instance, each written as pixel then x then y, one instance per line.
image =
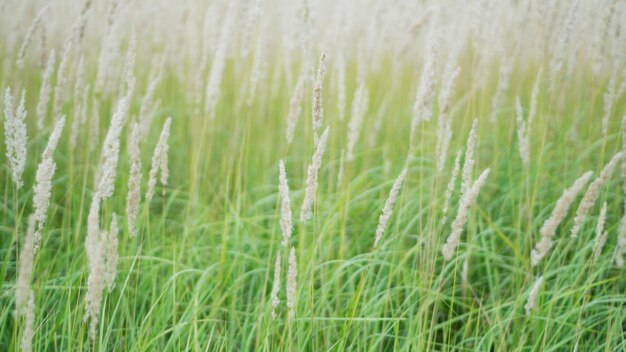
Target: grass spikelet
pixel 285 205
pixel 159 161
pixel 311 180
pixel 15 136
pixel 533 295
pixel 359 108
pixel 559 212
pixel 134 181
pixel 292 273
pixel 450 187
pixel 45 90
pixel 388 208
pixel 590 197
pixel 276 286
pixel 318 108
pixel 467 200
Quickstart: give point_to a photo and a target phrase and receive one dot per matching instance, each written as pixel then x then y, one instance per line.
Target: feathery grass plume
pixel 15 136
pixel 506 67
pixel 111 256
pixel 341 86
pixel 599 37
pixel 533 295
pixel 159 161
pixel 341 169
pixel 388 208
pixel 43 180
pixel 450 187
pixel 79 88
pixel 134 181
pixel 610 96
pixel 422 107
pixel 318 108
pixel 276 285
pixel 590 197
pixel 444 126
pixel 25 268
pixel 29 34
pixel 467 200
pixel 522 133
pixel 559 212
pixel 359 107
pixel 624 153
pixel 44 93
pixel 108 50
pixel 292 273
pixel 556 61
pixel 620 249
pixel 285 204
pixel 295 107
pixel 257 68
pixel 534 97
pixel 212 91
pixel 311 180
pixel 111 150
pixel 95 257
pixel 29 325
pixel 465 272
pixel 601 234
pixel 148 108
pixel 61 82
pixel 252 19
pixel 468 162
pixel 127 85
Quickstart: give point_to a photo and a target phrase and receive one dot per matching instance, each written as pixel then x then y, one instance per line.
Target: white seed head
pixel 44 93
pixel 15 136
pixel 292 273
pixel 533 295
pixel 522 133
pixel 295 107
pixel 318 109
pixel 601 234
pixel 590 197
pixel 25 268
pixel 276 285
pixel 311 180
pixel 388 208
pixel 450 187
pixel 111 149
pixel 111 255
pixel 559 212
pixel 359 108
pixel 134 181
pixel 29 324
pixel 43 179
pixel 468 163
pixel 467 200
pixel 285 204
pixel 159 161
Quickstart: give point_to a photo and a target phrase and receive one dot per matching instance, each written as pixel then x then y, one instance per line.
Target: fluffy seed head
pixel 15 136
pixel 276 285
pixel 285 204
pixel 467 200
pixel 295 107
pixel 311 180
pixel 549 227
pixel 590 197
pixel 159 160
pixel 318 109
pixel 292 273
pixel 134 181
pixel 533 295
pixel 44 93
pixel 388 208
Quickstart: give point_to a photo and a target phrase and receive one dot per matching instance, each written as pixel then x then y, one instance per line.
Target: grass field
pixel 197 269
